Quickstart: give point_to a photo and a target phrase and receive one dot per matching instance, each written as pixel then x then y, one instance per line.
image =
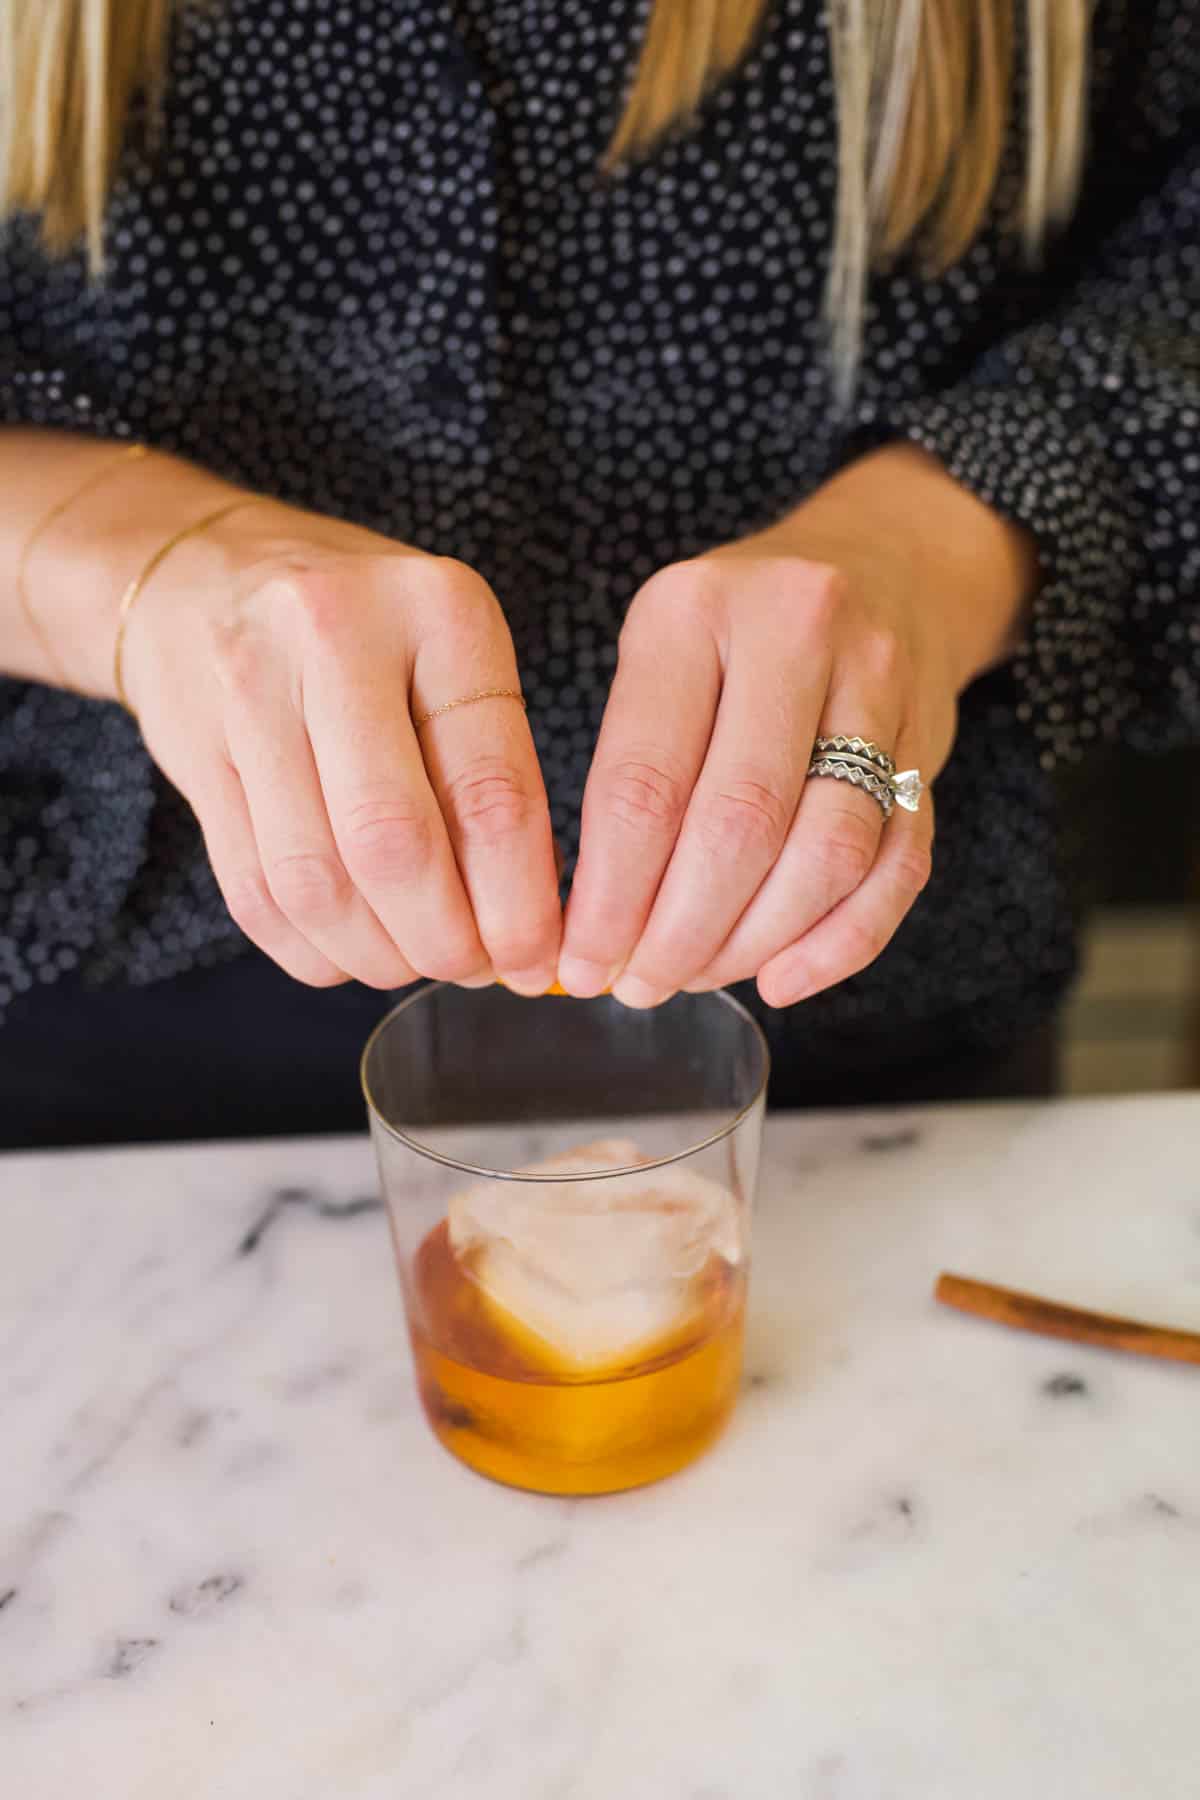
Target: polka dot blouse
pixel 371 267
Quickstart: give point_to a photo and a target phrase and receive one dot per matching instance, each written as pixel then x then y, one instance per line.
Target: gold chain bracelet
pixel 142 577
pixel 131 453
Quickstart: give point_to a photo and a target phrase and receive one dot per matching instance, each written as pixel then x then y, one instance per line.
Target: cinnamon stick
pixel 1028 1312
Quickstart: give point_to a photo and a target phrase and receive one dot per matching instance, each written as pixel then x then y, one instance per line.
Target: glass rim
pixel 659 1162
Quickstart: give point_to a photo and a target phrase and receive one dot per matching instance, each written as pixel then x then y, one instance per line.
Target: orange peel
pixel 555 988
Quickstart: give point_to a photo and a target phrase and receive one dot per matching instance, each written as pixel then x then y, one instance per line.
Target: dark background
pixel 1134 832
pixel 1132 842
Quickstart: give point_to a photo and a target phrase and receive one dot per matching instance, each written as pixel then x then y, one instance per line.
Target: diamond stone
pixel 908 788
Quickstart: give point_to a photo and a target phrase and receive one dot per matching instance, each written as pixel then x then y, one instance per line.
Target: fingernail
pixel 529 983
pixel 586 979
pixel 632 992
pixel 483 978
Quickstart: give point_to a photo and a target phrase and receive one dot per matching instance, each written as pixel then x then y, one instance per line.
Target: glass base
pixel 585 1437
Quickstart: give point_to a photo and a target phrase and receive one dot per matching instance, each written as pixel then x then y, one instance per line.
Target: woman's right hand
pixel 276 663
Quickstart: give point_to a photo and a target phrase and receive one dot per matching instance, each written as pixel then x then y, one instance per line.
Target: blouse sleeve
pixel 102 871
pixel 1085 428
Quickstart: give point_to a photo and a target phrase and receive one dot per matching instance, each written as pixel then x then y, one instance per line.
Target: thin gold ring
pixel 473 700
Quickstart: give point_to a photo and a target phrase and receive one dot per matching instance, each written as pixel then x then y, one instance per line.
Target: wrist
pixel 101 545
pixel 911 537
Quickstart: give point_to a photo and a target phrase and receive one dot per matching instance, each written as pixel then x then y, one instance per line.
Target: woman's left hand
pixel 706 856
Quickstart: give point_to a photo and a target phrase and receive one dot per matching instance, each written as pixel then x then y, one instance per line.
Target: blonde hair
pixel 70 71
pixel 925 105
pixel 925 95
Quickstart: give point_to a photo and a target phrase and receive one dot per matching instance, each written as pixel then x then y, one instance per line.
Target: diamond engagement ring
pixel 864 765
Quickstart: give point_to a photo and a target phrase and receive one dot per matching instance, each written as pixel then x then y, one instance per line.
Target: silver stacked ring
pixel 856 750
pixel 841 768
pixel 864 765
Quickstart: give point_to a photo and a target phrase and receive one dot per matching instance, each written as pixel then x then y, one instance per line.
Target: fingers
pixel 740 812
pixel 833 842
pixel 385 823
pixel 377 855
pixel 853 933
pixel 446 833
pixel 233 853
pixel 306 875
pixel 652 746
pixel 347 846
pixel 484 772
pixel 829 854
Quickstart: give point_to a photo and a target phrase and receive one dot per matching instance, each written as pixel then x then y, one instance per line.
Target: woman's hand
pixel 706 856
pixel 276 663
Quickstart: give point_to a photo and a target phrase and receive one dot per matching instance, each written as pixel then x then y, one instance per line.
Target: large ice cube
pixel 599 1269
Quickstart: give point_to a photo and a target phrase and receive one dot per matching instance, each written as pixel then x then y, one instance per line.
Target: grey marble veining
pixel 932 1560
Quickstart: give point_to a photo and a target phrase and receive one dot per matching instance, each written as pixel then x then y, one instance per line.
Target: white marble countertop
pixel 932 1559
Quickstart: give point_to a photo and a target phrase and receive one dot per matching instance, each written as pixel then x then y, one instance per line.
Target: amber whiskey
pixel 500 1398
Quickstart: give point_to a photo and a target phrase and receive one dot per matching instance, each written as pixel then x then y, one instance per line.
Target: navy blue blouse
pixel 371 267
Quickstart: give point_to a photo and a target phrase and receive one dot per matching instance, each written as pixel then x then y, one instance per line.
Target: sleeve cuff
pixel 1031 462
